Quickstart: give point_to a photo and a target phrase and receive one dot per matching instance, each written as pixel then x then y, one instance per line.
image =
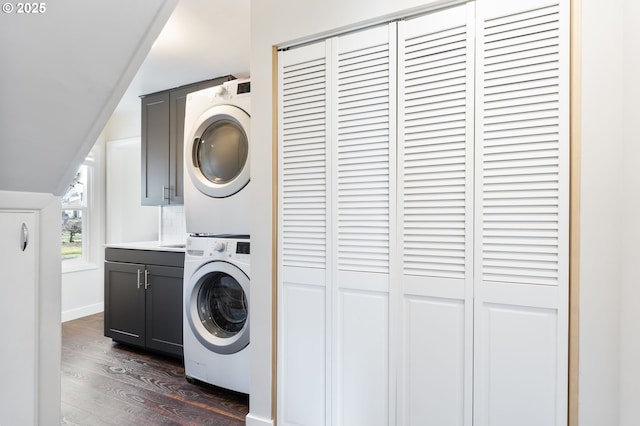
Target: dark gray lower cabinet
pixel 143 301
pixel 163 309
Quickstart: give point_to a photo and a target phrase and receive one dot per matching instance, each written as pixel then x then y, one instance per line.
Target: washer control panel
pixel 219 248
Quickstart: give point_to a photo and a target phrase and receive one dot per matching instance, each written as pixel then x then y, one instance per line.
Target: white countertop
pixel 150 245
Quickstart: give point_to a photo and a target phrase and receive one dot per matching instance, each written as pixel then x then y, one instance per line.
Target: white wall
pixel 82 293
pixel 127 220
pixel 124 125
pixel 630 290
pixel 601 262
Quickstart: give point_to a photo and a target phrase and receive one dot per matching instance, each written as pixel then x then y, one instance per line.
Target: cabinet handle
pixel 139 284
pixel 166 192
pixel 24 237
pixel 146 279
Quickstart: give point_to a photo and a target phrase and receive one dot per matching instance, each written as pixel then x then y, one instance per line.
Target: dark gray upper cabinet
pixel 163 142
pixel 155 149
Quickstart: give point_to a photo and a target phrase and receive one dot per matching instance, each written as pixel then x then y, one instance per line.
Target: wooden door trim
pixel 574 209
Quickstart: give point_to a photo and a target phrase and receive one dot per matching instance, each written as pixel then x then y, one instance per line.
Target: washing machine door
pixel 217 152
pixel 217 307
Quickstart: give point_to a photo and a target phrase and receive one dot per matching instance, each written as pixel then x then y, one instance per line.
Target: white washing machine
pixel 217 149
pixel 216 311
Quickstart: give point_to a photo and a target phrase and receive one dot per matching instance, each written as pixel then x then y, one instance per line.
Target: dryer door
pixel 217 307
pixel 217 153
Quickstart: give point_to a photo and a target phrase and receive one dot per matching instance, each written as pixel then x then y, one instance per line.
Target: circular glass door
pixel 219 151
pixel 222 305
pixel 218 308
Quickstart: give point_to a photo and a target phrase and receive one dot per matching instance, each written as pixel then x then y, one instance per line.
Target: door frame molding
pixel 575 34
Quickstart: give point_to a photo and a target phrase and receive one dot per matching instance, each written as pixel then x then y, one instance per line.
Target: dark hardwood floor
pixel 104 383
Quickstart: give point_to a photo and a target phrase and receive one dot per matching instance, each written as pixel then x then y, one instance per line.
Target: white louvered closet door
pixel 336 185
pixel 424 280
pixel 303 286
pixel 521 227
pixel 362 159
pixel 436 217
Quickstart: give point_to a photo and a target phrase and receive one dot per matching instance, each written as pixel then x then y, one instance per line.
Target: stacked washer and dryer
pixel 217 147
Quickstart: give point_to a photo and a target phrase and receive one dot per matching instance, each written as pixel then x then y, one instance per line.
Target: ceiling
pixel 64 72
pixel 202 39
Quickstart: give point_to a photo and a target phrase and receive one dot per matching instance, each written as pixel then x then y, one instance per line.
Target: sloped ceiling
pixel 62 73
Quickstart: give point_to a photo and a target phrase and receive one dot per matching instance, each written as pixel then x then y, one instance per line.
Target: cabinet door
pixel 155 149
pixel 18 315
pixel 124 302
pixel 178 101
pixel 164 309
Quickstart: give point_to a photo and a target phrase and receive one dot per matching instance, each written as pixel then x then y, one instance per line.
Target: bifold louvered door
pixel 435 214
pixel 304 286
pixel 363 193
pixel 521 213
pixel 423 221
pixel 336 171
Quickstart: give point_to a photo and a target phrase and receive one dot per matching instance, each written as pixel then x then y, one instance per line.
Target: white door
pixel 451 307
pixel 304 363
pixel 363 203
pixel 435 215
pixel 18 240
pixel 337 137
pixel 521 213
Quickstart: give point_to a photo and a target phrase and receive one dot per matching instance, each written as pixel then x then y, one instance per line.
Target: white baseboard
pixel 252 420
pixel 83 311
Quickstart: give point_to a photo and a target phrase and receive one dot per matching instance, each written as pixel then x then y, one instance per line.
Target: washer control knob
pixel 221 90
pixel 219 246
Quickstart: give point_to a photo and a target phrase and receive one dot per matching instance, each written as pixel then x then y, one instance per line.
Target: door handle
pixel 166 192
pixel 24 237
pixel 146 279
pixel 139 284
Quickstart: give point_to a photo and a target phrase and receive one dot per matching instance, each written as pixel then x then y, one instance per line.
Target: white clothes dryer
pixel 217 150
pixel 216 311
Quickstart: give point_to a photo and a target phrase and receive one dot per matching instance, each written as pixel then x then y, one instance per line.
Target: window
pixel 75 217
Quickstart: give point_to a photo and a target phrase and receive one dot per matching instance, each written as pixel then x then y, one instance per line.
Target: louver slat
pixel 434 160
pixel 303 153
pixel 363 157
pixel 520 160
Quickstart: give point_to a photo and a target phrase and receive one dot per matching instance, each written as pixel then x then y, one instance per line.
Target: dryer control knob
pixel 219 246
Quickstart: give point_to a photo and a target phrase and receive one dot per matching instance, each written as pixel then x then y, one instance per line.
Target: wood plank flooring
pixel 104 384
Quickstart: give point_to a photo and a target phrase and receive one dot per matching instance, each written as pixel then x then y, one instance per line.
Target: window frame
pixel 86 260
